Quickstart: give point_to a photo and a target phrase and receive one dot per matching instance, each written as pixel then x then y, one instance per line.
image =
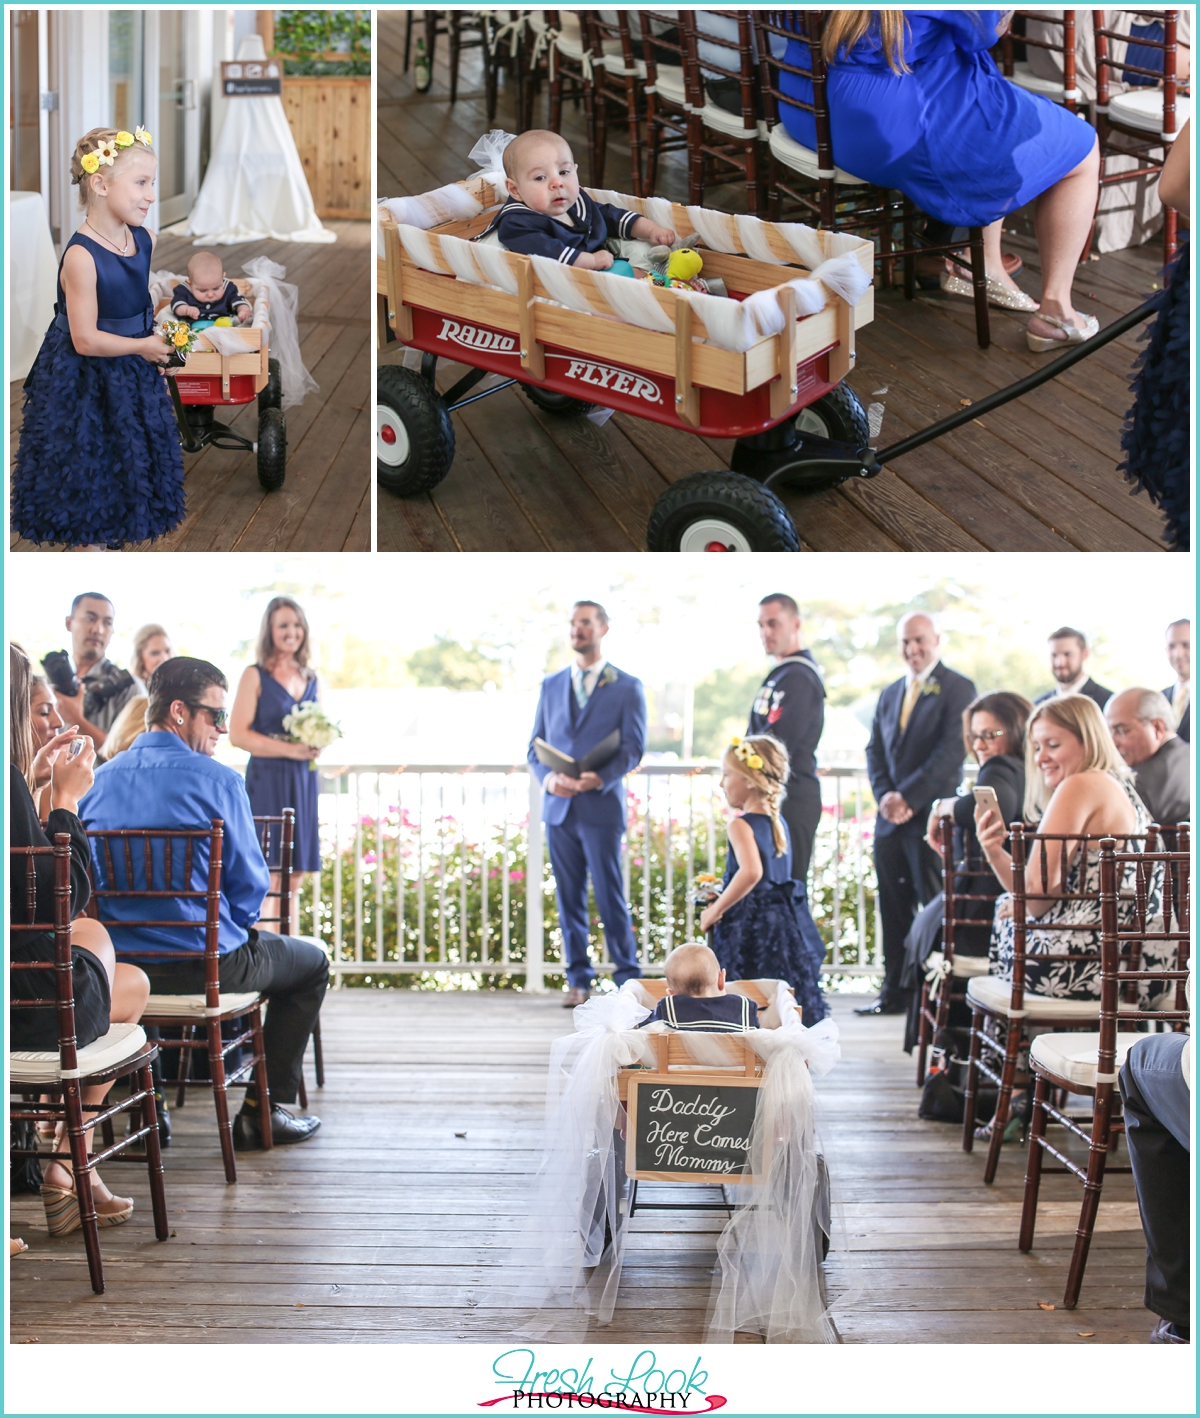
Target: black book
pixel 554 759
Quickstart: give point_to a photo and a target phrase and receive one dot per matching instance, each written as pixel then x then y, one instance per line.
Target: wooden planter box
pixel 330 120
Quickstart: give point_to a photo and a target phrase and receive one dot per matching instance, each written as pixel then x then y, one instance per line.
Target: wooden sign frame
pixel 680 1079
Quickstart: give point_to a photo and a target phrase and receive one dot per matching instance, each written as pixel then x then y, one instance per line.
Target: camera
pixel 61 673
pixel 98 695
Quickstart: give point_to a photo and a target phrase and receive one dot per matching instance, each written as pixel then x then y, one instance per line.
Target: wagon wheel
pixel 271 396
pixel 414 436
pixel 720 511
pixel 561 404
pixel 272 449
pixel 838 415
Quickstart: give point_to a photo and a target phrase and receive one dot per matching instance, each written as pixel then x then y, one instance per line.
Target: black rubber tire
pixel 843 415
pixel 272 449
pixel 552 403
pixel 419 409
pixel 271 396
pixel 751 509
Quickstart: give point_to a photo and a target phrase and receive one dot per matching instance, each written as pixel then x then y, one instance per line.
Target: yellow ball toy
pixel 684 265
pixel 222 320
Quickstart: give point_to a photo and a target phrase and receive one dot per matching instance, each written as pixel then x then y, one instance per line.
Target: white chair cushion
pixel 1073 1056
pixel 1024 78
pixel 121 1042
pixel 802 159
pixel 994 994
pixel 1143 109
pixel 731 123
pixel 615 63
pixel 670 83
pixel 191 1007
pixel 966 967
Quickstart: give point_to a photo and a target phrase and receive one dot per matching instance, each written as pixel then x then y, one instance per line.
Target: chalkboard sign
pixel 251 78
pixel 690 1130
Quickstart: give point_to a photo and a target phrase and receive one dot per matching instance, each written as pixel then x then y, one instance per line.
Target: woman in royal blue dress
pixel 99 464
pixel 917 104
pixel 279 772
pixel 760 923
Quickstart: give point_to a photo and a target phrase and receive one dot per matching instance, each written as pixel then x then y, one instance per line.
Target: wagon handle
pixel 1013 391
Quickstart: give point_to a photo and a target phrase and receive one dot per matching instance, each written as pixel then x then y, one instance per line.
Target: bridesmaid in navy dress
pixel 278 774
pixel 916 103
pixel 99 463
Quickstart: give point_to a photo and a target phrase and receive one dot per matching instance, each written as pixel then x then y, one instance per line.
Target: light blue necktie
pixel 581 694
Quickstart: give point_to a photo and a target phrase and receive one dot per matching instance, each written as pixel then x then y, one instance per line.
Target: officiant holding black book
pixel 589 733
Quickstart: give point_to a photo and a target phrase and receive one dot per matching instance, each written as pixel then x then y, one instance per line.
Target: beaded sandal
pixel 1040 344
pixel 997 293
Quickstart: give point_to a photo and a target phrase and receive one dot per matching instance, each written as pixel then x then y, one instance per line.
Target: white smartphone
pixel 986 798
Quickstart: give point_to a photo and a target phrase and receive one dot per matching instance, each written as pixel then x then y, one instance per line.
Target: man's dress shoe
pixel 575 997
pixel 285 1128
pixel 880 1007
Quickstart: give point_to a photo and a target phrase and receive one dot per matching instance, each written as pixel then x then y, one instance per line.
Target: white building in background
pixel 74 70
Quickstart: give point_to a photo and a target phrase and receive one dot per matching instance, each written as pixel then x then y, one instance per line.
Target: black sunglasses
pixel 220 717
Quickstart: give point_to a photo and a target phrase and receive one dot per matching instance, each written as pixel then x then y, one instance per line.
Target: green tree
pixel 452 665
pixel 722 706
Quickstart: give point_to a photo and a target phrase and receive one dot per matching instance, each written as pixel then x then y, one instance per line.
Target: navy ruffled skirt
pixel 1157 437
pixel 763 937
pixel 99 461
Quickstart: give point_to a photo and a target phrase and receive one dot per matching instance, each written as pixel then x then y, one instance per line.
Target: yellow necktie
pixel 1182 695
pixel 910 699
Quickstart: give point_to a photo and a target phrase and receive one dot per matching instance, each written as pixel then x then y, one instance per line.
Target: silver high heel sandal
pixel 1041 344
pixel 997 294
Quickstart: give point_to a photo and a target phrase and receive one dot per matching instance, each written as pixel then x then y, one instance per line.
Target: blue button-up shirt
pixel 161 782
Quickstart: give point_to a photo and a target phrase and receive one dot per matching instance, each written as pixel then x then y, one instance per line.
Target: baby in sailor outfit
pixel 547 215
pixel 208 295
pixel 696 997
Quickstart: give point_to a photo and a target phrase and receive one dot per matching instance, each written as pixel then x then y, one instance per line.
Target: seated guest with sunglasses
pixel 168 779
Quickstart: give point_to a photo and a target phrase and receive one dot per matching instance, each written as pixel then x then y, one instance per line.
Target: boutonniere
pixel 931 686
pixel 608 677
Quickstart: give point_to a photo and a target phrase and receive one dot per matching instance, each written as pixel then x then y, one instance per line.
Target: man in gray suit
pixel 1142 724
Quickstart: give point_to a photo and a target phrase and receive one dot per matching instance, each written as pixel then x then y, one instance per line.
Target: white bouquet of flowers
pixel 308 723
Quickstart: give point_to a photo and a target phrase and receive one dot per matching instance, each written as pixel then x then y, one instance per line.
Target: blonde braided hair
pixel 763 761
pixel 109 145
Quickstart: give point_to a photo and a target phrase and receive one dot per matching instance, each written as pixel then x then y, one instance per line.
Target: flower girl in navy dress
pixel 99 463
pixel 757 929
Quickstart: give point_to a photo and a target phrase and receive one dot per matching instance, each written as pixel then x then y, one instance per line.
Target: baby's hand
pixel 244 314
pixel 188 312
pixel 661 236
pixel 595 260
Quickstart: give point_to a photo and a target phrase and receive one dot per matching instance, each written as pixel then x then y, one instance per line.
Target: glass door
pixel 172 44
pixel 28 114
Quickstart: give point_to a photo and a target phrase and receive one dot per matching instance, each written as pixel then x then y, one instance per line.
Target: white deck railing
pixel 427 870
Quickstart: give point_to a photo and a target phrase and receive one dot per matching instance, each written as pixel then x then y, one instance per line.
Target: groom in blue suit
pixel 585 816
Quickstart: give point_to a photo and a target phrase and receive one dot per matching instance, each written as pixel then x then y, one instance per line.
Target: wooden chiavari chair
pixel 1008 1006
pixel 827 195
pixel 280 832
pixel 570 72
pixel 1089 1063
pixel 115 866
pixel 619 78
pixel 63 1074
pixel 479 27
pixel 956 968
pixel 1023 76
pixel 671 121
pixel 728 140
pixel 1148 119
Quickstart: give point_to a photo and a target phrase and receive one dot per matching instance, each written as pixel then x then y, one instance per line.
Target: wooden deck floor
pixel 386 1226
pixel 1037 475
pixel 325 502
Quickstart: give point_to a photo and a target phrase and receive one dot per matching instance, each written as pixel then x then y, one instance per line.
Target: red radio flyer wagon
pixel 783 398
pixel 208 380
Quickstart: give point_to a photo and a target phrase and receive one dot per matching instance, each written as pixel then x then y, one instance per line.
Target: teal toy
pixel 202 324
pixel 620 268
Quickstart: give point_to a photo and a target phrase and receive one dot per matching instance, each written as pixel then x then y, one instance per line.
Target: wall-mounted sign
pixel 251 78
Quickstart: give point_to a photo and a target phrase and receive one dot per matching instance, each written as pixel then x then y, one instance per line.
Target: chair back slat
pixel 63 998
pixel 286 822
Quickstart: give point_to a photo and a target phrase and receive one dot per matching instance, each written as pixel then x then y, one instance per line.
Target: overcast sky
pixel 673 617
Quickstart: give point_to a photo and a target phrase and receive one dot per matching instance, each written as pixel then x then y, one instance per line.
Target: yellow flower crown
pixel 108 151
pixel 745 754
